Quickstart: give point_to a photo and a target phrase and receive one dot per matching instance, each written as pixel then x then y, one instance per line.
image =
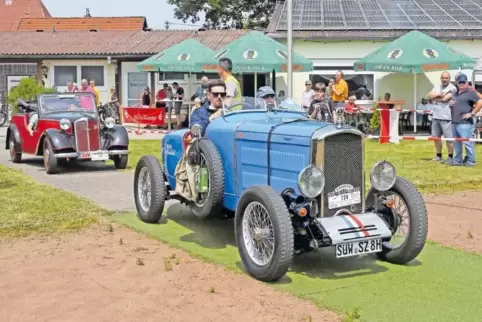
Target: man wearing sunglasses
pixel 212 107
pixel 465 104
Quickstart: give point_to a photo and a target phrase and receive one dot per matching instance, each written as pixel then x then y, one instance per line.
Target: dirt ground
pixel 120 275
pixel 456 220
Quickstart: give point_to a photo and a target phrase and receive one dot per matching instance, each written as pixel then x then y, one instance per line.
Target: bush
pixel 27 89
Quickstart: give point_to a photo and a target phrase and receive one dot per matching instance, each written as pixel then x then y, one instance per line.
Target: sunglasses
pixel 307 84
pixel 218 94
pixel 462 83
pixel 269 96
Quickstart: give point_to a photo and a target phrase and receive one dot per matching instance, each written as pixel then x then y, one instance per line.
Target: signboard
pixel 13 81
pixel 144 116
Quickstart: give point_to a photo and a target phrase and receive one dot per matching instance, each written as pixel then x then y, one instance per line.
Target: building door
pixel 135 87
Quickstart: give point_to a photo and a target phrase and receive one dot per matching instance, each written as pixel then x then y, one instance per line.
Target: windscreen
pixel 78 102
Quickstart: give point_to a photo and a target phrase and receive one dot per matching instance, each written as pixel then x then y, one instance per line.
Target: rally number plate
pixel 358 248
pixel 343 200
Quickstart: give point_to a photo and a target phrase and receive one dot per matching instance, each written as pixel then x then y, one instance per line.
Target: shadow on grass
pixel 219 233
pixel 72 167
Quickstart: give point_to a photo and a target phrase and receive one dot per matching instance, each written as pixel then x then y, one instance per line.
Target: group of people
pixel 85 87
pixel 455 108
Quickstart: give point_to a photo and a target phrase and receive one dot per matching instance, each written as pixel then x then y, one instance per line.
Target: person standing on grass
pixel 442 116
pixel 465 104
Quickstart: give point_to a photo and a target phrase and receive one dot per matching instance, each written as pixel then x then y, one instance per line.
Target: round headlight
pixel 109 122
pixel 196 130
pixel 311 181
pixel 383 176
pixel 64 124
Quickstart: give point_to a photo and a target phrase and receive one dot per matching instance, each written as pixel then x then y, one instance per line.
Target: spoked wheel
pixel 210 203
pixel 3 118
pixel 408 221
pixel 149 189
pixel 264 233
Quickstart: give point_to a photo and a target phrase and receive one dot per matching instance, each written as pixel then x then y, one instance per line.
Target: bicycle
pixel 3 114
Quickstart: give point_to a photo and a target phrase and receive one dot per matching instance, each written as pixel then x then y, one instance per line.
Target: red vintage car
pixel 68 129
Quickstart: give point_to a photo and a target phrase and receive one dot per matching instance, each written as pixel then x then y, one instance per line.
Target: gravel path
pixel 101 183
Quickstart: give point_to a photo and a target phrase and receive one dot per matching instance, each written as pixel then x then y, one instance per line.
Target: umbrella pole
pixel 415 102
pixel 255 83
pixel 273 80
pixel 289 10
pixel 189 100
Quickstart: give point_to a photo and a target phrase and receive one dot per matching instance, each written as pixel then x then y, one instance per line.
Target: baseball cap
pixel 461 78
pixel 264 91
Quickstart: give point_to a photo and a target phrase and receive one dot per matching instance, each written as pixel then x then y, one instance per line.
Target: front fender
pixel 58 139
pixel 13 130
pixel 118 136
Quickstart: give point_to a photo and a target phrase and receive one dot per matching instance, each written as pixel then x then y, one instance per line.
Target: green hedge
pixel 27 89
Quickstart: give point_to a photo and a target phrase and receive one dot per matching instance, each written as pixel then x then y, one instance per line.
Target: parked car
pixel 68 129
pixel 295 185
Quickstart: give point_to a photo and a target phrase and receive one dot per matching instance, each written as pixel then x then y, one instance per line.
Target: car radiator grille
pixel 343 165
pixel 87 135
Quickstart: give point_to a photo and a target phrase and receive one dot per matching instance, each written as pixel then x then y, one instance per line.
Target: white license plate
pixel 343 200
pixel 99 156
pixel 358 248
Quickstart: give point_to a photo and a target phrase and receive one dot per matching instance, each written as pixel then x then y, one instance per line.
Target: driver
pixel 267 95
pixel 212 107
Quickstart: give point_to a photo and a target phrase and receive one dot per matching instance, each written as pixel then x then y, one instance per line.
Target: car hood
pixel 71 116
pixel 301 127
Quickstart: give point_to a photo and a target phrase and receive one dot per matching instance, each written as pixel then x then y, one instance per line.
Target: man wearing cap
pixel 465 104
pixel 442 116
pixel 267 95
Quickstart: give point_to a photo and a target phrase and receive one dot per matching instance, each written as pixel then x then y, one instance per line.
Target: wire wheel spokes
pixel 144 189
pixel 258 233
pixel 401 220
pixel 202 197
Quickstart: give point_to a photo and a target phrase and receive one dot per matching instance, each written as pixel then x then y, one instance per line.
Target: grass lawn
pixel 409 157
pixel 443 285
pixel 28 207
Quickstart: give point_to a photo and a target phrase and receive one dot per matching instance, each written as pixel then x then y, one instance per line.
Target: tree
pixel 224 14
pixel 27 89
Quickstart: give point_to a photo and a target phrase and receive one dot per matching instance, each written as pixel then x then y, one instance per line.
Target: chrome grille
pixel 343 164
pixel 87 135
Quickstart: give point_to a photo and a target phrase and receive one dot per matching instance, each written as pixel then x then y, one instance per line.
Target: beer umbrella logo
pixel 395 54
pixel 430 53
pixel 183 57
pixel 221 54
pixel 282 54
pixel 250 54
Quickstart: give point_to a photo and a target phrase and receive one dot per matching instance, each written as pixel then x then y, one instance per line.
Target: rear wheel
pixel 15 156
pixel 149 189
pixel 50 161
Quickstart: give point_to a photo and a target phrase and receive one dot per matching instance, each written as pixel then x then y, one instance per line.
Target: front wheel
pixel 50 161
pixel 264 233
pixel 408 221
pixel 149 189
pixel 120 161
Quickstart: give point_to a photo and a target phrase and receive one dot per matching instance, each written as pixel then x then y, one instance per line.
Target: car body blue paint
pixel 241 139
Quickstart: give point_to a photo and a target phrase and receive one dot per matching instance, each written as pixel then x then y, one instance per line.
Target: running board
pixel 351 228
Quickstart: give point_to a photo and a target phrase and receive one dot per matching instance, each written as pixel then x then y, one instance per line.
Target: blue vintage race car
pixel 294 185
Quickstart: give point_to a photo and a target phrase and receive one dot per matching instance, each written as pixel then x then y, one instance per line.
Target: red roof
pixel 123 43
pixel 83 23
pixel 12 11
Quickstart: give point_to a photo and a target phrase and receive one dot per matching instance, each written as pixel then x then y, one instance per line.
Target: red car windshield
pixel 67 103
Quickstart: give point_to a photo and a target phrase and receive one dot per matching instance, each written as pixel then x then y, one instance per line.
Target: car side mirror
pixel 196 131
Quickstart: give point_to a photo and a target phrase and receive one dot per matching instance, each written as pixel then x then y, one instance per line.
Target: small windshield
pixel 257 103
pixel 78 102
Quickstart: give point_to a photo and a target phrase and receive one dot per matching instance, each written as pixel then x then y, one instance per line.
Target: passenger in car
pixel 212 107
pixel 32 123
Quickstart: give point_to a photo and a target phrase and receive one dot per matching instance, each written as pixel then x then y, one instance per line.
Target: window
pixel 355 81
pixel 166 77
pixel 64 74
pixel 210 76
pixel 93 72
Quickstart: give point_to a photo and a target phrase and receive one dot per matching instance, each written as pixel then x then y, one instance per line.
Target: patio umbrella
pixel 188 56
pixel 415 53
pixel 257 53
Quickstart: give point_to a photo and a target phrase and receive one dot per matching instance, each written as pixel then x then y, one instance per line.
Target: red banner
pixel 145 115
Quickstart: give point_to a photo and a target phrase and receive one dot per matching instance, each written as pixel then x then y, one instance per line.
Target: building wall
pixel 13 69
pixel 329 56
pixel 108 71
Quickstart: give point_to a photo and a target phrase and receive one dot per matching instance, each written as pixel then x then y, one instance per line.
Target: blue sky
pixel 156 11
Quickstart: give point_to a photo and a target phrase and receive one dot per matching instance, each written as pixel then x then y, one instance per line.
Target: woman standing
pixel 146 97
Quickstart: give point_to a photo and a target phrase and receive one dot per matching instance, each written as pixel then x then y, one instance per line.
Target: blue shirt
pixel 464 102
pixel 201 116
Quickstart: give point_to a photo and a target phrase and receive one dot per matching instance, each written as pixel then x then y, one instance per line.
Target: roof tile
pixel 80 43
pixel 83 23
pixel 11 14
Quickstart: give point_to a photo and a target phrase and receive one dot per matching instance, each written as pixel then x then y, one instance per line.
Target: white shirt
pixel 307 97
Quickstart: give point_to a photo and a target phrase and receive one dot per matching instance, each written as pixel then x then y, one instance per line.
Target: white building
pixel 334 34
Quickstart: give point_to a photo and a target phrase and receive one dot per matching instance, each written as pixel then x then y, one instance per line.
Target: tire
pixel 120 161
pixel 214 201
pixel 417 235
pixel 282 256
pixel 3 118
pixel 50 161
pixel 150 213
pixel 15 157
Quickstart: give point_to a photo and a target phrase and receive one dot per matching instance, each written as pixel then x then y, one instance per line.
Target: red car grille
pixel 87 135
